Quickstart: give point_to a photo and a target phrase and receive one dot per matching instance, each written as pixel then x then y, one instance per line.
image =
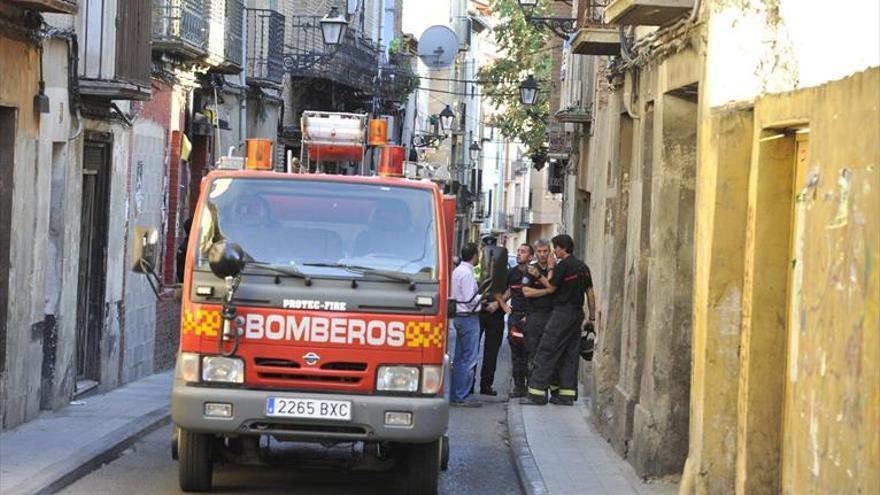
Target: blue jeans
pixel 467 342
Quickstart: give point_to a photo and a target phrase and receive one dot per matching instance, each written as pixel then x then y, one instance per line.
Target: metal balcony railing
pixel 179 27
pixel 224 22
pixel 510 222
pixel 265 63
pixel 354 63
pixel 594 14
pixel 398 79
pixel 523 217
pixel 499 222
pixel 232 51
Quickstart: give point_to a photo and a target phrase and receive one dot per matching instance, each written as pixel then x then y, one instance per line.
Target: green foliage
pixel 395 46
pixel 522 51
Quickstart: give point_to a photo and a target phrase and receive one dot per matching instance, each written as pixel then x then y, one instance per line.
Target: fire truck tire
pixel 423 462
pixel 195 466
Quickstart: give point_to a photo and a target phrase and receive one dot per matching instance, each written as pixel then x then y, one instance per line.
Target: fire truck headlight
pixel 432 378
pixel 222 369
pixel 397 379
pixel 187 367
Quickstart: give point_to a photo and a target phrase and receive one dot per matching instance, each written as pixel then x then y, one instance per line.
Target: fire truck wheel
pixel 195 466
pixel 423 462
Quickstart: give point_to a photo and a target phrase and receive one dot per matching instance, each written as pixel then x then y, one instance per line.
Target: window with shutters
pixel 133 38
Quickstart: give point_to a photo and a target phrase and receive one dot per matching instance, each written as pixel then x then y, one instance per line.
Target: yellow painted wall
pixel 721 201
pixel 801 366
pixel 831 434
pixel 20 64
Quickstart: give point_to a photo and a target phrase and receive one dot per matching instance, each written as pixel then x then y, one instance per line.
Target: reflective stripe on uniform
pixel 567 392
pixel 537 391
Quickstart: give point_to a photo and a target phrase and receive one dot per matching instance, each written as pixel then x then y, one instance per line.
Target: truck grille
pixel 279 363
pixel 290 374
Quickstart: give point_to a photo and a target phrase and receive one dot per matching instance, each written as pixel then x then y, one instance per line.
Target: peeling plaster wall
pixel 29 330
pixel 787 310
pixel 783 45
pixel 145 206
pixel 830 440
pixel 640 158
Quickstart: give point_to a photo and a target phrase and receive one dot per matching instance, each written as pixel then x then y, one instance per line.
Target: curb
pixel 530 477
pixel 93 455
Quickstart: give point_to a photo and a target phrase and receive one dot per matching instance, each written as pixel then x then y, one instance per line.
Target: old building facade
pixel 728 164
pixel 39 166
pixel 112 112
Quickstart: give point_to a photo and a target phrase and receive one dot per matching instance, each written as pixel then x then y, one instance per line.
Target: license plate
pixel 337 410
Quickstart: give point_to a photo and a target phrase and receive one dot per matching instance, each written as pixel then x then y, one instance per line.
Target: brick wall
pixel 173 197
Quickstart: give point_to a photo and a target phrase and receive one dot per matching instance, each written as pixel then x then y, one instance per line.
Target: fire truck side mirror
pixel 226 259
pixel 144 249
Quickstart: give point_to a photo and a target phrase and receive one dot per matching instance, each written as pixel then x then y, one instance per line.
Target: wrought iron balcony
pixel 233 56
pixel 510 222
pixel 574 115
pixel 55 6
pixel 180 28
pixel 265 62
pixel 354 63
pixel 596 37
pixel 398 78
pixel 224 23
pixel 523 217
pixel 501 222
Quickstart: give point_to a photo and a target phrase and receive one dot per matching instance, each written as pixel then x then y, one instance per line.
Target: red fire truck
pixel 314 309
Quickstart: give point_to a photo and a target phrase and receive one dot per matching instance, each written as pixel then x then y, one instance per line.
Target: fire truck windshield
pixel 319 228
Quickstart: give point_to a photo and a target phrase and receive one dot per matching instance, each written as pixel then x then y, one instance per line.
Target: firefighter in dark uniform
pixel 491 319
pixel 559 348
pixel 516 319
pixel 540 302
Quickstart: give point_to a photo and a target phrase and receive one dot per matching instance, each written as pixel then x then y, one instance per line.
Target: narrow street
pixel 480 462
pixel 259 227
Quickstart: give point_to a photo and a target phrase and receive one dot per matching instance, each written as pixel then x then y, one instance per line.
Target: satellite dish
pixel 438 47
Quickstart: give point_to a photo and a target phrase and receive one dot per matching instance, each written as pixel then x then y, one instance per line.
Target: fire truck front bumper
pixel 308 416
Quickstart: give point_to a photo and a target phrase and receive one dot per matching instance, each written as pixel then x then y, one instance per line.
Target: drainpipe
pixel 242 105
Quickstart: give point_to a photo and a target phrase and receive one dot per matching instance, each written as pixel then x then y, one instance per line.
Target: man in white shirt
pixel 467 327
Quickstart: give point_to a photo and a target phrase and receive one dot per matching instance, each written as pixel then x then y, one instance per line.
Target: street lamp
pixel 474 151
pixel 333 27
pixel 528 91
pixel 562 27
pixel 447 119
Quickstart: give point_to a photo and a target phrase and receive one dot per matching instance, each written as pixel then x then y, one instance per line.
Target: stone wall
pixel 638 165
